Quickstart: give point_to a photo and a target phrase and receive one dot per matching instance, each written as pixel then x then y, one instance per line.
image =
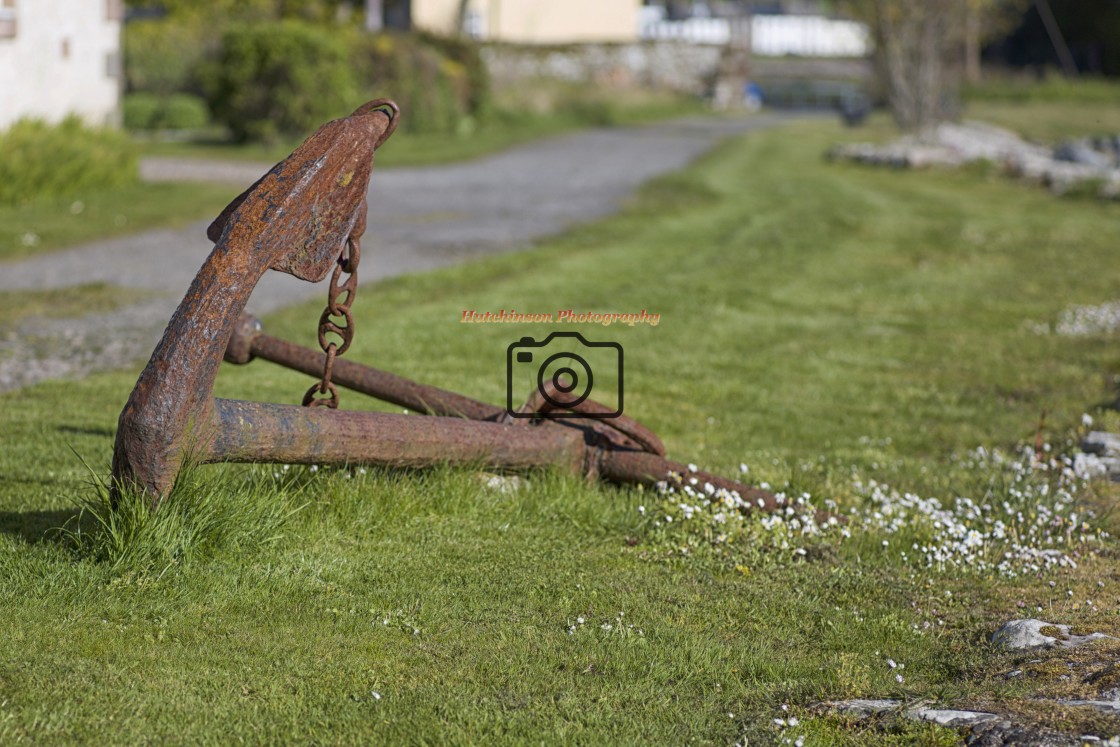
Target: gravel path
pixel 419 218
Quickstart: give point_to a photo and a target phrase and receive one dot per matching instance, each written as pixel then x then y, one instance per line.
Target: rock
pixel 1020 634
pixel 1004 734
pixel 979 728
pixel 952 717
pixel 504 484
pixel 1081 152
pixel 1104 448
pixel 1017 635
pixel 862 708
pixel 1105 706
pixel 1100 442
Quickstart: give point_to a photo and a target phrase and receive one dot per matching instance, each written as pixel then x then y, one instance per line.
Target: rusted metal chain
pixel 340 298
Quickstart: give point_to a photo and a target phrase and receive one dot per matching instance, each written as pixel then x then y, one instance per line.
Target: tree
pixel 985 21
pixel 916 46
pixel 922 49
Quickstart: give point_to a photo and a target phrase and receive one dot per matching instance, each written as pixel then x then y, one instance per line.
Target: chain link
pixel 340 297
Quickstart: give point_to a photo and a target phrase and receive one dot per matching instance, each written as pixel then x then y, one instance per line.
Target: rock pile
pixel 1092 163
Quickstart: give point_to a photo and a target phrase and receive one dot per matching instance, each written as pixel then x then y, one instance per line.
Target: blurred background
pixel 213 72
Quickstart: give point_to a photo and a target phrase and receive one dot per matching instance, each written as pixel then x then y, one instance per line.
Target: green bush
pixel 466 53
pixel 272 80
pixel 141 111
pixel 42 160
pixel 179 111
pixel 163 56
pixel 182 111
pixel 433 89
pixel 280 79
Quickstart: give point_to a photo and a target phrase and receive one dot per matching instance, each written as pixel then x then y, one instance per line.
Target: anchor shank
pixel 263 432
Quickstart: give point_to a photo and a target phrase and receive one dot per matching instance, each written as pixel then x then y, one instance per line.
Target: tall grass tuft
pixel 206 512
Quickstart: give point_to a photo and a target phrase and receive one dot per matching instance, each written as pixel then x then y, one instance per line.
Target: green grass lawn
pixel 1047 110
pixel 45 224
pixel 1036 120
pixel 823 324
pixel 91 298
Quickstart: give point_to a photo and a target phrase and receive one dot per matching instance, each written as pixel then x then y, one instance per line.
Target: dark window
pixel 398 14
pixel 113 64
pixel 7 19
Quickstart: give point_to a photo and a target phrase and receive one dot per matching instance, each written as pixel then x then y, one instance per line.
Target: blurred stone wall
pixel 668 65
pixel 662 64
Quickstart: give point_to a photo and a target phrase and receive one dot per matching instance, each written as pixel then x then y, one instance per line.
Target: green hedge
pixel 432 90
pixel 163 57
pixel 179 111
pixel 283 79
pixel 477 95
pixel 280 79
pixel 42 160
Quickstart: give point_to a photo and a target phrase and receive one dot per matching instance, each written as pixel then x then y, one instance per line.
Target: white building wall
pixel 808 36
pixel 771 35
pixel 63 58
pixel 533 21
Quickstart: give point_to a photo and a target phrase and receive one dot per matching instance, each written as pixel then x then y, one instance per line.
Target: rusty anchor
pixel 305 217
